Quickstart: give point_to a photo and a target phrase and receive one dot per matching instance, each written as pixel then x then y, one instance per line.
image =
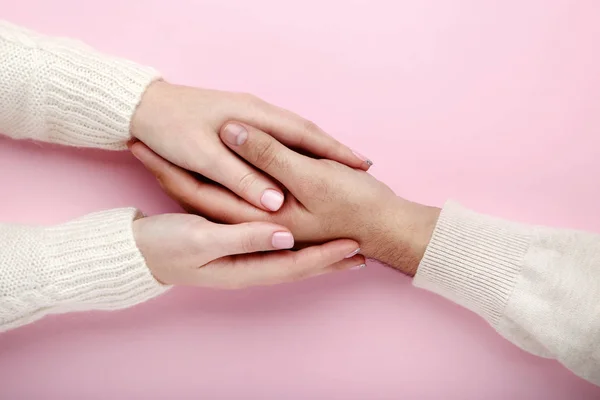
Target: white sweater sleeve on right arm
pixel 538 287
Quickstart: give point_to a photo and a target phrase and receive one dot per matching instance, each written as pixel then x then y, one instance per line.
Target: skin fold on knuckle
pixel 190 197
pixel 310 127
pixel 304 274
pixel 247 181
pixel 301 266
pixel 266 156
pixel 251 239
pixel 323 255
pixel 248 97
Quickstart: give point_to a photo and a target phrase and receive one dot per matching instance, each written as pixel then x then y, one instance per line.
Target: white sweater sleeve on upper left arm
pixel 62 91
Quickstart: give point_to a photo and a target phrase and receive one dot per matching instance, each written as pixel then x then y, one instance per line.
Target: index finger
pixel 267 154
pixel 294 131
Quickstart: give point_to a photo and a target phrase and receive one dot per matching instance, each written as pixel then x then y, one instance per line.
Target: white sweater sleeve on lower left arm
pixel 62 91
pixel 91 263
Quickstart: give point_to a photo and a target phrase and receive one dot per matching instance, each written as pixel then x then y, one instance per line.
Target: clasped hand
pixel 242 145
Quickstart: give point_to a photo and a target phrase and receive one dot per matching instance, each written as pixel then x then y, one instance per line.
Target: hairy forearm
pixel 406 230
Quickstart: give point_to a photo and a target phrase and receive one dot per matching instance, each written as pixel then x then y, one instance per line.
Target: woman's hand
pixel 182 124
pixel 183 249
pixel 329 200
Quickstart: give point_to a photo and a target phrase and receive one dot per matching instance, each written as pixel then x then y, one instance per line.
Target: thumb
pixel 251 237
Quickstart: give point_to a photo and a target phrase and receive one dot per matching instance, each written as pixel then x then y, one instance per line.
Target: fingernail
pixel 272 199
pixel 361 266
pixel 235 134
pixel 355 252
pixel 363 158
pixel 282 240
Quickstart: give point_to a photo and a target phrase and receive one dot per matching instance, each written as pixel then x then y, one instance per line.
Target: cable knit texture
pixel 538 287
pixel 61 91
pixel 88 263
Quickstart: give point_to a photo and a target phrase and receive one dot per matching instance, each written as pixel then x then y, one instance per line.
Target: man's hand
pixel 181 124
pixel 328 200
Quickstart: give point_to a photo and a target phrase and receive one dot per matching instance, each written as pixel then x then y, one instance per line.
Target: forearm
pixel 538 287
pixel 61 91
pixel 91 263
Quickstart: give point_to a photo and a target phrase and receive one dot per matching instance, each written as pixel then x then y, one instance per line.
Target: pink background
pixel 490 103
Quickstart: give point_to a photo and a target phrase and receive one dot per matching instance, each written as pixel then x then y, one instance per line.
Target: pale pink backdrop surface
pixel 494 104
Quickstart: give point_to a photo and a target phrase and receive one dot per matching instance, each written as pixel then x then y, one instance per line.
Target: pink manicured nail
pixel 282 240
pixel 363 158
pixel 272 199
pixel 361 266
pixel 355 252
pixel 235 134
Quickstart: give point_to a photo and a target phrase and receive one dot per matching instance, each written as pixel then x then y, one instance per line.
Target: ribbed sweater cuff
pixel 473 260
pixel 91 263
pixel 91 97
pixel 76 95
pixel 97 264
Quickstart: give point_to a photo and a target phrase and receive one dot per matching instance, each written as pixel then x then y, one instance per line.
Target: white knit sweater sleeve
pixel 91 263
pixel 538 287
pixel 61 91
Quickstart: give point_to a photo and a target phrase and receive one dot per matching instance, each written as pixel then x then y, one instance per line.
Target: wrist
pixel 407 229
pixel 143 120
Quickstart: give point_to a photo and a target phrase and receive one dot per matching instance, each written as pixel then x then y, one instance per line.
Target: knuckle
pixel 296 262
pixel 311 127
pixel 247 181
pixel 266 155
pixel 322 255
pixel 249 242
pixel 302 275
pixel 198 234
pixel 248 97
pixel 304 271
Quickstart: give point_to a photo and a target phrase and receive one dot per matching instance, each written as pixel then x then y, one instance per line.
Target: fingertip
pixel 350 244
pixel 351 264
pixel 131 145
pixel 234 134
pixel 357 261
pixel 365 162
pixel 272 200
pixel 282 240
pixel 340 249
pixel 353 253
pixel 131 142
pixel 270 236
pixel 138 149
